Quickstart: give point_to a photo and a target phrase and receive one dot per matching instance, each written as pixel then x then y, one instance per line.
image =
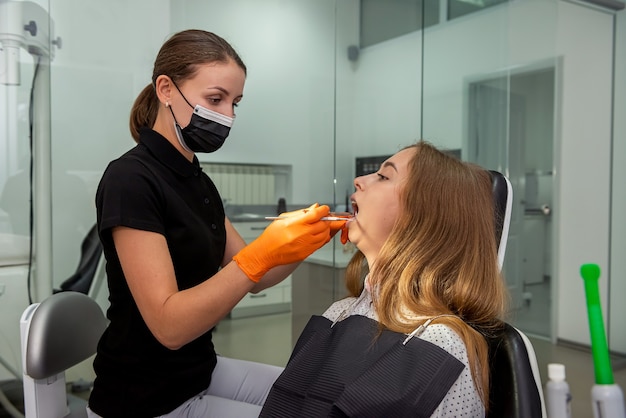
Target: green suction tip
pixel 590 271
pixel 602 364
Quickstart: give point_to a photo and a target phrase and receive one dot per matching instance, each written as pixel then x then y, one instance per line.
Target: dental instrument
pixel 606 396
pixel 332 216
pixel 324 218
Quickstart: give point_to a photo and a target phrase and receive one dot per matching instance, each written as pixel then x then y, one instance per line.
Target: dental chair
pixel 56 334
pixel 88 265
pixel 90 275
pixel 515 384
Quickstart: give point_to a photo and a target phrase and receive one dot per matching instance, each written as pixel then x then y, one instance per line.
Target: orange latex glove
pixel 344 235
pixel 285 241
pixel 336 226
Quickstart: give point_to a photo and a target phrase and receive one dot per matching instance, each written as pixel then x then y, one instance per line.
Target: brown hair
pixel 441 257
pixel 179 58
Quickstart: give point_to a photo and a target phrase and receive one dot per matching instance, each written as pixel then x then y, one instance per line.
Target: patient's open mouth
pixel 355 208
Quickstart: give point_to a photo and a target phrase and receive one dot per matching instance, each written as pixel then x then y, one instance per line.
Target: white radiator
pixel 244 184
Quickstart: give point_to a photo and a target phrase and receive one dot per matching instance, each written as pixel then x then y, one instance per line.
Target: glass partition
pixel 95 78
pixel 490 93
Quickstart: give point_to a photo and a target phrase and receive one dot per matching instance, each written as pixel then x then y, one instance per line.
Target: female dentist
pixel 175 264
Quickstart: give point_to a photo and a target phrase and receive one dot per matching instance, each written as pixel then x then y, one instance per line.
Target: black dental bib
pixel 353 370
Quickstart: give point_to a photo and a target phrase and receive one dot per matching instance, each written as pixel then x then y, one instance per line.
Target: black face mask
pixel 206 131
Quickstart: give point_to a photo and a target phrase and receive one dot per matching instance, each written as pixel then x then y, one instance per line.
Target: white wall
pixel 584 39
pixel 617 330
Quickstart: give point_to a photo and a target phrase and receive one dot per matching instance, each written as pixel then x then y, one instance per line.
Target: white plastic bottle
pixel 558 397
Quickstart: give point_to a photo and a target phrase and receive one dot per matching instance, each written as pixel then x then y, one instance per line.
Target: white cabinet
pixel 272 300
pixel 318 282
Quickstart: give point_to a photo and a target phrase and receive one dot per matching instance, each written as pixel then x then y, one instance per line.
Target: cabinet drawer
pixel 250 230
pixel 286 294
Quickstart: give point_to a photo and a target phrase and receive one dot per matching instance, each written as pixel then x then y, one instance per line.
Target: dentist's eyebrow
pixel 223 90
pixel 390 164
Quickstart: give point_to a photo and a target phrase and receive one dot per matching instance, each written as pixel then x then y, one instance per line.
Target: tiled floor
pixel 534 315
pixel 579 372
pixel 268 339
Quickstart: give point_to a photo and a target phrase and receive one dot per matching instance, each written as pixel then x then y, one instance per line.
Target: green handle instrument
pixel 599 348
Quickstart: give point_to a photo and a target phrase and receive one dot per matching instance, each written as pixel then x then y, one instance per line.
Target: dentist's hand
pixel 336 226
pixel 285 241
pixel 344 235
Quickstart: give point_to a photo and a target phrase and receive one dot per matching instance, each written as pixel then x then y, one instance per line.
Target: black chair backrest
pixel 500 195
pixel 90 253
pixel 513 392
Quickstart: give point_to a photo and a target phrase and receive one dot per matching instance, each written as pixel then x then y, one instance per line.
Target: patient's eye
pixel 381 177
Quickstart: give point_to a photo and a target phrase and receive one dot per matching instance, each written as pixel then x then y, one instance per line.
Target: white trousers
pixel 238 390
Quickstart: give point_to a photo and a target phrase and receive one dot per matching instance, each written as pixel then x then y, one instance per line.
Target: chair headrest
pixel 64 330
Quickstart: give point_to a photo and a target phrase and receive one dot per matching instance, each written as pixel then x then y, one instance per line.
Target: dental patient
pixel 426 292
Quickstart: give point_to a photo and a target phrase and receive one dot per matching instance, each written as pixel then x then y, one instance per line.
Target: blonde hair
pixel 441 257
pixel 179 58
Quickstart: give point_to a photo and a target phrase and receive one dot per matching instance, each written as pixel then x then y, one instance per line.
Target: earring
pixel 167 104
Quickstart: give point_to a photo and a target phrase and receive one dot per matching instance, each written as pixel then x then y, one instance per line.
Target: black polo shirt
pixel 153 187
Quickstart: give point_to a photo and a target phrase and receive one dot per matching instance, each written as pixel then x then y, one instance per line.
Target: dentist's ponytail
pixel 144 111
